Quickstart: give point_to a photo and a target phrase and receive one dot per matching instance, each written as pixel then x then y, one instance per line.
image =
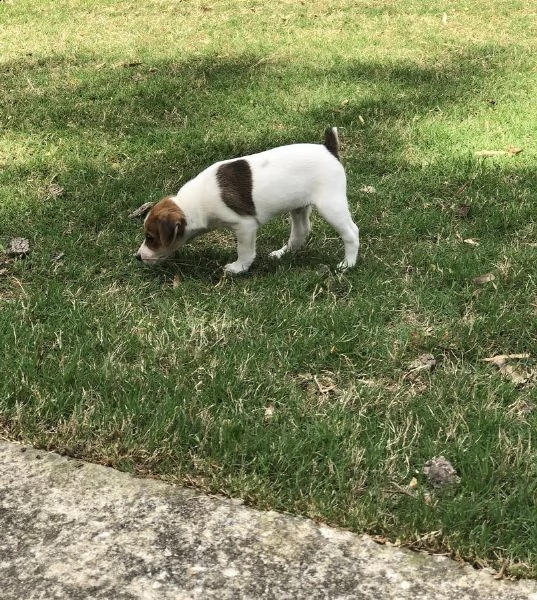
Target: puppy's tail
pixel 331 141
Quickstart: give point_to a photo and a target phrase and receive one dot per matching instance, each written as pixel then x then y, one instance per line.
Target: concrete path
pixel 76 531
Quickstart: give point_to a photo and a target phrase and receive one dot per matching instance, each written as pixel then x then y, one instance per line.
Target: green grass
pixel 284 387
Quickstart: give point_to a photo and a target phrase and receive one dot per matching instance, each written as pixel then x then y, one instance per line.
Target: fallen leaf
pixel 54 190
pixel 399 489
pixel 426 362
pixel 518 378
pixel 19 247
pixel 471 242
pixel 141 211
pixel 463 210
pixel 501 359
pixel 368 189
pixel 444 19
pixel 368 382
pixel 508 371
pixel 440 471
pixel 413 483
pixel 501 573
pixel 522 407
pixel 176 281
pixel 361 119
pixel 269 412
pixel 325 385
pixel 514 151
pixel 490 153
pixel 464 186
pixel 486 278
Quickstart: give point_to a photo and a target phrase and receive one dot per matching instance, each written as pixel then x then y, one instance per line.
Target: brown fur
pixel 235 183
pixel 164 225
pixel 331 142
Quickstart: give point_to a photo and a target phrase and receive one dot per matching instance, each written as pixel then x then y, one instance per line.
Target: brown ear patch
pixel 235 183
pixel 164 225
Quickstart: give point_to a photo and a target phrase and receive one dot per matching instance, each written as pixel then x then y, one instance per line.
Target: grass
pixel 285 387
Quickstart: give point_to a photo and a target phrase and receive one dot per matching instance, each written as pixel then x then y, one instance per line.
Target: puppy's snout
pixel 138 256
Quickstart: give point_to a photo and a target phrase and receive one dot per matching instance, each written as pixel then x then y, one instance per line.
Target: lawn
pixel 291 387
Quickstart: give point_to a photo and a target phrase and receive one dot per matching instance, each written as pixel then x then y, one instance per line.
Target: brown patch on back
pixel 164 224
pixel 235 183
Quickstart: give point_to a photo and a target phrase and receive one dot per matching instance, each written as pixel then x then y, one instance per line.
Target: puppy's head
pixel 164 226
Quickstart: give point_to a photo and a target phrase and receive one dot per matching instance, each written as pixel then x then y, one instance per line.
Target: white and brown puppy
pixel 242 194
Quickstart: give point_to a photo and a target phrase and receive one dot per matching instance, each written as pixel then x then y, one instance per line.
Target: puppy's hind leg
pixel 300 228
pixel 337 214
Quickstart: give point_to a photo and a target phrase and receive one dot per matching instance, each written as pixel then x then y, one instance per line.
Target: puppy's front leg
pixel 245 232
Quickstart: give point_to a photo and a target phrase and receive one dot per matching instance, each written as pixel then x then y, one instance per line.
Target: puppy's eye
pixel 149 238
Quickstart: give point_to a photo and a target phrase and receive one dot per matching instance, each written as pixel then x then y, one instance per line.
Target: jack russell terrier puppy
pixel 244 193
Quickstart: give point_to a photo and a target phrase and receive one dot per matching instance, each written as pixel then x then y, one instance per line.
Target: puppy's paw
pixel 277 254
pixel 235 268
pixel 346 264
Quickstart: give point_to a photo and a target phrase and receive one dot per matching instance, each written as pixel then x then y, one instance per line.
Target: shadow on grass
pixel 115 136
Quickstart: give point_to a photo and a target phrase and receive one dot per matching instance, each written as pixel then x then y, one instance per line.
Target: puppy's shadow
pixel 208 265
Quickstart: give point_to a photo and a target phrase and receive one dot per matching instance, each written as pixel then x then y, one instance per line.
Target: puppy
pixel 242 194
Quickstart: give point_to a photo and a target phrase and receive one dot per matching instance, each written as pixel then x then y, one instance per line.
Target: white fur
pixel 291 179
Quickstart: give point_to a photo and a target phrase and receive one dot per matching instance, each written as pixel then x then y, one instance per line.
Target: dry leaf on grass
pixel 463 211
pixel 141 211
pixel 486 278
pixel 269 411
pixel 368 189
pixel 500 359
pixel 426 362
pixel 521 408
pixel 489 153
pixel 512 151
pixel 518 378
pixel 322 384
pixel 325 384
pixel 18 247
pixel 471 242
pixel 440 471
pixel 508 371
pixel 54 190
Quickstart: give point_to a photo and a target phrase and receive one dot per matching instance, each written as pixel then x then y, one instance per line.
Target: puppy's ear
pixel 170 229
